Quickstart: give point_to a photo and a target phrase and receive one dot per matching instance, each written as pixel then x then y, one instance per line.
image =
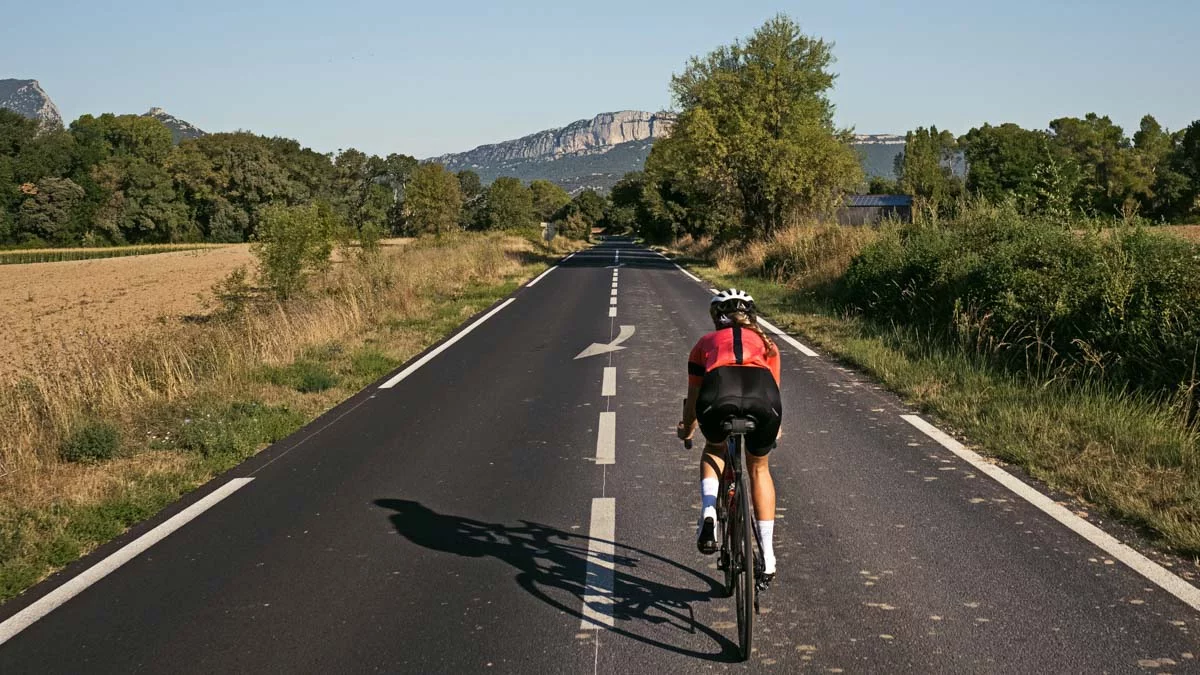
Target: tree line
pixel 119 179
pixel 1076 166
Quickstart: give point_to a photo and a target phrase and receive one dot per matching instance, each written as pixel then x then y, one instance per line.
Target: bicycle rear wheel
pixel 743 544
pixel 725 514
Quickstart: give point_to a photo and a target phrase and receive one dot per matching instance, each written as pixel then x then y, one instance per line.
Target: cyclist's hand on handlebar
pixel 684 432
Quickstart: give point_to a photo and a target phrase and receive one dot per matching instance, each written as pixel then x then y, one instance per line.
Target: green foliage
pixel 755 137
pixel 305 376
pixel 1036 294
pixel 925 168
pixel 370 363
pixel 234 293
pixel 236 429
pixel 47 213
pixel 292 243
pixel 433 200
pixel 92 441
pixel 548 199
pixel 508 205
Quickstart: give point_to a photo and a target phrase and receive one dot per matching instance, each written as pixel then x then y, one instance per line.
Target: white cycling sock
pixel 708 498
pixel 766 532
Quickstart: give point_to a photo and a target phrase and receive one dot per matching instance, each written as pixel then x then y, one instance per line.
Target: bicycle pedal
pixel 762 582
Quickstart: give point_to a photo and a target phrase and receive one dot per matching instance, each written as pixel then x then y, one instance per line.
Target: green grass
pixel 1135 457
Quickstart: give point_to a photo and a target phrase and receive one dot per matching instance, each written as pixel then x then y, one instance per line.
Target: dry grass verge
pixel 148 420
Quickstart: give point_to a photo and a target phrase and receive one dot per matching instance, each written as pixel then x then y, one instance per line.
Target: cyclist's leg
pixel 762 489
pixel 712 463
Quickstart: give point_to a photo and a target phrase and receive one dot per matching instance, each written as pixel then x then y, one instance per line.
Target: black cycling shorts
pixel 740 391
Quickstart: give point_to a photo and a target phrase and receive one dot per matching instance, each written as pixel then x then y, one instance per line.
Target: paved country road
pixel 508 507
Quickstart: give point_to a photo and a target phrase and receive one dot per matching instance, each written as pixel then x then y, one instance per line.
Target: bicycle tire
pixel 725 554
pixel 743 542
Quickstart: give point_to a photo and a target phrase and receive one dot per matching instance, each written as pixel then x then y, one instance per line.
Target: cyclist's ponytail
pixel 748 321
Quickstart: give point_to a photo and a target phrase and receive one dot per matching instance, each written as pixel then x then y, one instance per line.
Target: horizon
pixel 423 83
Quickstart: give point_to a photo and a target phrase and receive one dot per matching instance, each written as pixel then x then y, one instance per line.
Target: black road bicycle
pixel 741 551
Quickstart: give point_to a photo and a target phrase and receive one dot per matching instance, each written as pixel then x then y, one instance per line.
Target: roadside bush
pixel 1041 296
pixel 233 293
pixel 93 441
pixel 292 242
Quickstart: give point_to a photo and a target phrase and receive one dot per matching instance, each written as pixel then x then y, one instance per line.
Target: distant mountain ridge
pixel 28 99
pixel 594 153
pixel 588 153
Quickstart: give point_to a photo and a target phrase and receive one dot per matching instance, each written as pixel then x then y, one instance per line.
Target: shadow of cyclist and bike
pixel 548 559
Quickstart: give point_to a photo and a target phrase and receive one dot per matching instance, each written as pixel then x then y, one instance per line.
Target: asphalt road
pixel 507 507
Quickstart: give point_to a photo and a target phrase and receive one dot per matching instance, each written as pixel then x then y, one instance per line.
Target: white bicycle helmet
pixel 727 302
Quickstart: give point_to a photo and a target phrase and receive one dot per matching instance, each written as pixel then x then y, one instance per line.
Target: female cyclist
pixel 734 370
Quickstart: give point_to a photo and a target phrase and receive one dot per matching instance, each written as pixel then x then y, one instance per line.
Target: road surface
pixel 507 507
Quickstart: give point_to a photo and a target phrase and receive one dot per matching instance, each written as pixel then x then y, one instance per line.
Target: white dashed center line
pixel 609 388
pixel 606 439
pixel 598 591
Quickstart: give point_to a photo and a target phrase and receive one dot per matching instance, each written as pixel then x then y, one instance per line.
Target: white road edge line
pixel 786 338
pixel 612 300
pixel 54 599
pixel 614 292
pixel 598 584
pixel 1156 573
pixel 541 276
pixel 612 311
pixel 691 276
pixel 606 439
pixel 609 387
pixel 396 379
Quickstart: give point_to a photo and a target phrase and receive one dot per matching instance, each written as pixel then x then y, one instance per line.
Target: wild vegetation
pixel 117 180
pixel 97 445
pixel 1033 304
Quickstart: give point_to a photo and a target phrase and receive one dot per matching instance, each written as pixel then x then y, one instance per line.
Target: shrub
pixel 291 243
pixel 233 293
pixel 1043 296
pixel 92 441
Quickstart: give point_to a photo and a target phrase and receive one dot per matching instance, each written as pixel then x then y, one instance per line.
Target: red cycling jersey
pixel 733 346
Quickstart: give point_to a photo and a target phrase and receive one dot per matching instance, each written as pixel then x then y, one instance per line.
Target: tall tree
pixel 756 129
pixel 434 200
pixel 1003 161
pixel 508 204
pixel 926 167
pixel 548 198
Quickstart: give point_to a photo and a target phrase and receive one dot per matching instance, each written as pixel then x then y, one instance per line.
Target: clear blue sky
pixel 432 77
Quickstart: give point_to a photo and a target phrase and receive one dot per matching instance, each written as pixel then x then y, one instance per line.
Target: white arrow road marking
pixel 597 348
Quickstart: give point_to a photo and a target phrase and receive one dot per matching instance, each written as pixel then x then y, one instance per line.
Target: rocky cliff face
pixel 180 130
pixel 26 97
pixel 595 136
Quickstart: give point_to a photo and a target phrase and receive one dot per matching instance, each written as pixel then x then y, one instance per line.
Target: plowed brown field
pixel 51 311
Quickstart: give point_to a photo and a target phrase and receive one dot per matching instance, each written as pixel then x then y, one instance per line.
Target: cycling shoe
pixel 706 543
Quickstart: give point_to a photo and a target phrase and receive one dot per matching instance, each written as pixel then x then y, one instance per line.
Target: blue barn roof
pixel 878 200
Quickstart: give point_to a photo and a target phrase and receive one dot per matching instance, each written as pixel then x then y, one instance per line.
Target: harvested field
pixel 52 312
pixel 1191 232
